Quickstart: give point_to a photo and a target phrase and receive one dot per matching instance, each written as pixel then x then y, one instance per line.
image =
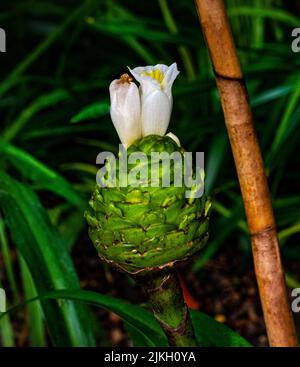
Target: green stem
pixel 165 297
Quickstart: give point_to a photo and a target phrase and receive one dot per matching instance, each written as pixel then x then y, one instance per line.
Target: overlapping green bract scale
pixel 140 229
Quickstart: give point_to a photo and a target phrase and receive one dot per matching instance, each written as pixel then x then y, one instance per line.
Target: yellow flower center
pixel 155 74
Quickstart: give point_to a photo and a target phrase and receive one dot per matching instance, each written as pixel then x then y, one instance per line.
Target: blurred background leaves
pixel 60 59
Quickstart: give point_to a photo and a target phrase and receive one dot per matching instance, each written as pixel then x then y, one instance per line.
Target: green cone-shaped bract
pixel 141 229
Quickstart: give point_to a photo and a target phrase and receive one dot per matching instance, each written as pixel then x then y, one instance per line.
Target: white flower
pixel 125 109
pixel 156 96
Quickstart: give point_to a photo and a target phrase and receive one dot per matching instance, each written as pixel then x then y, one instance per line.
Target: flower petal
pixel 169 78
pixel 174 137
pixel 156 107
pixel 125 110
pixel 151 73
pixel 156 111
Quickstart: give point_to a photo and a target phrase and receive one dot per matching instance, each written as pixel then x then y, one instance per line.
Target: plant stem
pixel 249 165
pixel 166 299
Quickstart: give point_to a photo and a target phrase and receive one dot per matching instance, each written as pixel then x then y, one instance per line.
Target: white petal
pixel 169 78
pixel 144 79
pixel 161 76
pixel 156 112
pixel 125 110
pixel 155 86
pixel 174 137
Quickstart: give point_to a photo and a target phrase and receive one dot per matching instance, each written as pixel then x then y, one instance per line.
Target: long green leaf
pixel 275 14
pixel 139 320
pixel 39 173
pixel 36 327
pixel 7 261
pixel 40 103
pixel 47 258
pixel 6 330
pixel 92 111
pixel 143 325
pixel 14 77
pixel 211 333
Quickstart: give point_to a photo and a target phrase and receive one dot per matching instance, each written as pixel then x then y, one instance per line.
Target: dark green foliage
pixel 144 329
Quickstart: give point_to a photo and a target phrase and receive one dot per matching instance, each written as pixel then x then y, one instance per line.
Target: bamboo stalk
pixel 165 297
pixel 250 170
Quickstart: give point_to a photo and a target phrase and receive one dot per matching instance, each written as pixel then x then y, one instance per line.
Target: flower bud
pixel 125 109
